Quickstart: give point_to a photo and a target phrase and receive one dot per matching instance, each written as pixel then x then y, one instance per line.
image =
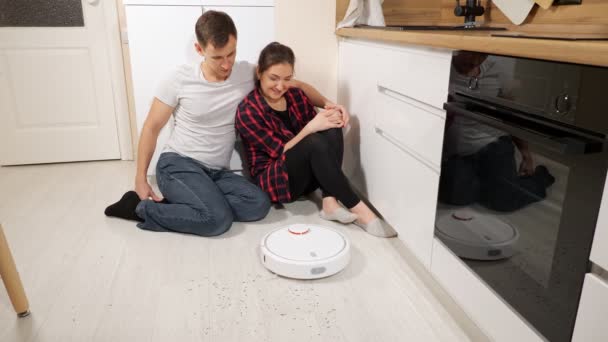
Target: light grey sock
pixel 341 215
pixel 377 227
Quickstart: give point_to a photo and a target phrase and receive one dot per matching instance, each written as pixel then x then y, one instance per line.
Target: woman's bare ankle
pixel 330 204
pixel 364 213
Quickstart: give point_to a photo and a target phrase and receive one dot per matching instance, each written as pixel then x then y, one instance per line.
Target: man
pixel 481 166
pixel 201 196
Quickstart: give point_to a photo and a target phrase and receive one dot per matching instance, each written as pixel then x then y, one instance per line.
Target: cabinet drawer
pixel 404 191
pixel 414 125
pixel 420 73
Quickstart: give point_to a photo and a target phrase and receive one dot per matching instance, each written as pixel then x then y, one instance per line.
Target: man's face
pixel 219 60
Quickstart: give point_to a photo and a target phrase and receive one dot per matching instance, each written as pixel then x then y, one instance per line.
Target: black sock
pixel 125 208
pixel 542 172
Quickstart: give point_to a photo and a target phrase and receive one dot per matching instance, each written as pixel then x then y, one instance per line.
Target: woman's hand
pixel 341 109
pixel 325 120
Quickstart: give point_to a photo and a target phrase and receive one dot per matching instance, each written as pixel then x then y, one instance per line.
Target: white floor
pixel 93 278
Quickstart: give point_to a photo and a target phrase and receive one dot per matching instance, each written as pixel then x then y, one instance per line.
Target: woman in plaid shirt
pixel 293 150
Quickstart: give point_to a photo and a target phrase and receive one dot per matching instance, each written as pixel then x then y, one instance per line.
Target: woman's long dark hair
pixel 273 54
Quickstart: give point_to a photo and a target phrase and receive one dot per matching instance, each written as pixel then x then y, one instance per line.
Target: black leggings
pixel 316 161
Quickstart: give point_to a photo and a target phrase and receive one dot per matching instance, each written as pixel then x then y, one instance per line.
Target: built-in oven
pixel 523 169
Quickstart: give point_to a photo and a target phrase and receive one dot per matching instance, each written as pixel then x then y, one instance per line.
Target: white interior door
pixel 56 96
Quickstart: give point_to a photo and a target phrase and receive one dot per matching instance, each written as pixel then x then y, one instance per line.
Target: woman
pixel 292 150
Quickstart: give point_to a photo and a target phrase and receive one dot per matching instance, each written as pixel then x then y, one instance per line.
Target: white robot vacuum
pixel 474 235
pixel 304 251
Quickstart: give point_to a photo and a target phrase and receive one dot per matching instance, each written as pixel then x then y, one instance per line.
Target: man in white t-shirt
pixel 200 196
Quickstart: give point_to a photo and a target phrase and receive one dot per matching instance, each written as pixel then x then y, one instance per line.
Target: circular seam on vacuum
pixel 270 251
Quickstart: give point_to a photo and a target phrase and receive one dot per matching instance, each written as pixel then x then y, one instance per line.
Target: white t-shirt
pixel 204 112
pixel 465 136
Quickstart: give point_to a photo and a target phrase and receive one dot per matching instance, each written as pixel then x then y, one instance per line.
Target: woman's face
pixel 276 80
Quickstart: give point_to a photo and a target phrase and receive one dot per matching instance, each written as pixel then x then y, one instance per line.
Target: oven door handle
pixel 561 145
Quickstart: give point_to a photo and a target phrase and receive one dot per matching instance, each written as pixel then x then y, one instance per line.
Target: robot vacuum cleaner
pixel 304 251
pixel 476 236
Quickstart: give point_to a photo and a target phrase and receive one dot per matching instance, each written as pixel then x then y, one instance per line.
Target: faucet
pixel 469 11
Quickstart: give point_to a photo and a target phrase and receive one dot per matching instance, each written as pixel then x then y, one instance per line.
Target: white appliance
pixel 473 235
pixel 304 251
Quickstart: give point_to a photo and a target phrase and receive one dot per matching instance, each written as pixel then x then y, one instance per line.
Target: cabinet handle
pixel 411 101
pixel 572 144
pixel 407 150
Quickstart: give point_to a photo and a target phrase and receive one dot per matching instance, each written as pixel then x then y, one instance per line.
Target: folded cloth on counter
pixel 366 12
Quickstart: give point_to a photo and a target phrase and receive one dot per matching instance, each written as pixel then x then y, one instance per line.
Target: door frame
pixel 124 120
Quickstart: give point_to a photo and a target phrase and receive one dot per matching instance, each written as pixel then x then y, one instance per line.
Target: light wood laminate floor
pixel 93 278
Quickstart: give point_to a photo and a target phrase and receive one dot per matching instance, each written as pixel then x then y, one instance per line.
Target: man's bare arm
pixel 318 100
pixel 157 118
pixel 313 94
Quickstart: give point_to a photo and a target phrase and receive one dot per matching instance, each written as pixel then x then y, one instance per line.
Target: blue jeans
pixel 201 201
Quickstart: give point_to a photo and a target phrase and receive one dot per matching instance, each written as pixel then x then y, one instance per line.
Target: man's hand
pixel 526 168
pixel 144 191
pixel 341 109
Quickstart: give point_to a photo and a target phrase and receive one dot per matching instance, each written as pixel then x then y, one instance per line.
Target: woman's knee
pixel 334 134
pixel 315 142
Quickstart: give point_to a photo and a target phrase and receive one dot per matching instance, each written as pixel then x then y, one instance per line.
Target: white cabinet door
pixel 255 29
pixel 416 126
pixel 420 73
pixel 599 251
pixel 393 147
pixel 591 319
pixel 160 39
pixel 404 190
pixel 356 88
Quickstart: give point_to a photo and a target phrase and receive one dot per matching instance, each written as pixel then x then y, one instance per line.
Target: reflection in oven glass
pixel 522 174
pixel 492 184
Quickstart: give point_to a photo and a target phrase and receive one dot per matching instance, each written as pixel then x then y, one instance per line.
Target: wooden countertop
pixel 583 52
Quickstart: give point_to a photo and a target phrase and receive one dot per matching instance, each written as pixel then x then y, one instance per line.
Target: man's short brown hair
pixel 214 27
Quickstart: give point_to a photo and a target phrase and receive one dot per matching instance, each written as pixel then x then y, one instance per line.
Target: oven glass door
pixel 518 202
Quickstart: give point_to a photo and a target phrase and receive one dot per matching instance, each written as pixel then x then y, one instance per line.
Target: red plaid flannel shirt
pixel 264 135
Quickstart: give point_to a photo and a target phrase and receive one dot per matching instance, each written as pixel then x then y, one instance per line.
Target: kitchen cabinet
pixel 405 193
pixel 393 157
pixel 161 37
pixel 393 147
pixel 599 249
pixel 356 85
pixel 593 307
pixel 592 311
